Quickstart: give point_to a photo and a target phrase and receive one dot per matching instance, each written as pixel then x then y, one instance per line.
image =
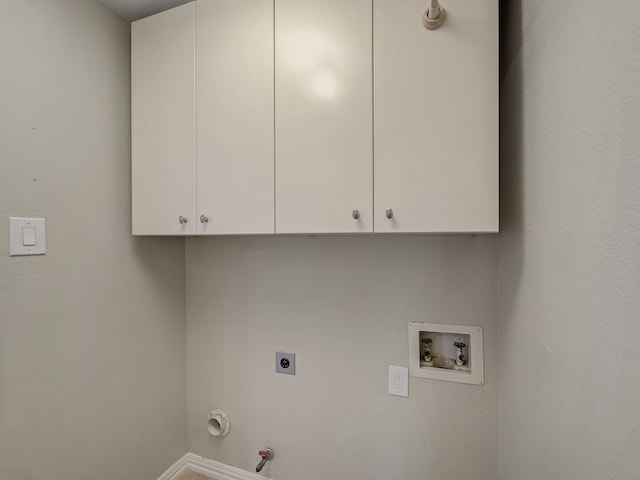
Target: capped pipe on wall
pixel 434 16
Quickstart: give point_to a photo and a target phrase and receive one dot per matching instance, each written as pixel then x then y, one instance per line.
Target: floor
pixel 189 475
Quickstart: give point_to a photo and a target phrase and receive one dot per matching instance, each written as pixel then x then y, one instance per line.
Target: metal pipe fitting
pixel 266 455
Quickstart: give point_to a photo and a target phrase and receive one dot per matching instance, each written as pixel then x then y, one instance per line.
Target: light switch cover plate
pixel 27 236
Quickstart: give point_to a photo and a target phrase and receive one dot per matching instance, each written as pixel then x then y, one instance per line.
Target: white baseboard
pixel 210 468
pixel 175 470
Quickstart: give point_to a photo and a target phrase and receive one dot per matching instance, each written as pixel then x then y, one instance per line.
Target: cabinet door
pixel 436 117
pixel 163 122
pixel 323 85
pixel 234 65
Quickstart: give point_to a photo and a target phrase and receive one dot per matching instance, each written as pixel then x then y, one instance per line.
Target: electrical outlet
pixel 398 381
pixel 286 363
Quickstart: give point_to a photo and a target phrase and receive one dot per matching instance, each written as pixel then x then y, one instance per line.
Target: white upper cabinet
pixel 202 103
pixel 315 116
pixel 323 115
pixel 234 91
pixel 436 117
pixel 163 123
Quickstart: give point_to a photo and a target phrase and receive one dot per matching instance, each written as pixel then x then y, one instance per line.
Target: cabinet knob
pixel 389 213
pixel 355 214
pixel 182 219
pixel 204 219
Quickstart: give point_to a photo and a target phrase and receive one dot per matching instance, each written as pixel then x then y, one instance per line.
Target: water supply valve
pixel 266 455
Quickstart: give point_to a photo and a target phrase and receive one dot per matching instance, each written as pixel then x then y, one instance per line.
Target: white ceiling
pixel 134 9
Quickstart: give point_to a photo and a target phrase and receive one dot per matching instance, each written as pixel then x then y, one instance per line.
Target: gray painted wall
pixel 92 335
pixel 342 304
pixel 569 249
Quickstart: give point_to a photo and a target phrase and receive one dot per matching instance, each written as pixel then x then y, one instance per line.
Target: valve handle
pixel 266 454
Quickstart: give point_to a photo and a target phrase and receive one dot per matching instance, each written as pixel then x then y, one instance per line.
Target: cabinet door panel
pixel 234 64
pixel 163 122
pixel 323 87
pixel 436 118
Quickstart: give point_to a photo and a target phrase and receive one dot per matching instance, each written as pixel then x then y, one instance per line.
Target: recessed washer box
pixel 453 353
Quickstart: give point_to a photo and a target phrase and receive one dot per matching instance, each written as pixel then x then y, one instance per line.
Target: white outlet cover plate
pixel 398 381
pixel 21 236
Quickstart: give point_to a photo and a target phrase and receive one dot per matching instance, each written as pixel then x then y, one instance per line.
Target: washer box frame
pixel 474 376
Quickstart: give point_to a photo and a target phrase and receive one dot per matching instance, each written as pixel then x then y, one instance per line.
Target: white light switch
pixel 29 236
pixel 26 236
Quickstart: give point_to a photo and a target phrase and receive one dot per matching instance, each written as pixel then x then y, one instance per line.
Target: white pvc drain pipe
pixel 218 423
